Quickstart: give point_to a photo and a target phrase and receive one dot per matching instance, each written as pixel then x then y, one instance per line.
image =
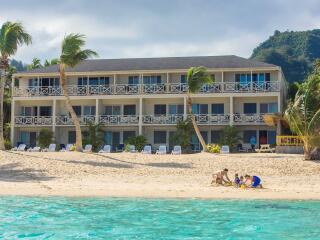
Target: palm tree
pixel 53 61
pixel 72 53
pixel 12 35
pixel 36 63
pixel 303 114
pixel 197 77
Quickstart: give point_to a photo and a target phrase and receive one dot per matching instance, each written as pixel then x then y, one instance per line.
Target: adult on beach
pixel 221 177
pixel 255 181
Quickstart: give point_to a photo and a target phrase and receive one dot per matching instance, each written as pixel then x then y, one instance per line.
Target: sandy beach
pixel 137 175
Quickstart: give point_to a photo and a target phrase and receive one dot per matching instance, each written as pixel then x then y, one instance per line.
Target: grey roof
pixel 163 63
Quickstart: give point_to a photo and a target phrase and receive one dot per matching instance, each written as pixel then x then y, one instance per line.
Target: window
pixel 129 110
pixel 254 77
pixel 272 135
pixel 160 137
pixel 33 82
pixel 249 108
pixel 200 108
pixel 243 78
pixel 49 82
pixel 45 111
pixel 183 78
pixel 128 134
pixel 93 81
pixel 215 137
pixel 248 134
pixel 72 137
pixel 152 79
pixel 77 109
pixel 268 108
pixel 89 110
pixel 217 108
pixel 29 111
pixel 213 77
pixel 133 80
pixel 160 109
pixel 112 110
pixel 176 109
pixel 267 77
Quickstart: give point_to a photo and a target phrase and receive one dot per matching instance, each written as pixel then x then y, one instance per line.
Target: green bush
pixel 7 144
pixel 138 142
pixel 213 148
pixel 45 137
pixel 94 136
pixel 230 136
pixel 182 136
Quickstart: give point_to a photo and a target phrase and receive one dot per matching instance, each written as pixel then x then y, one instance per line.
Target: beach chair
pixel 105 149
pixel 241 148
pixel 67 148
pixel 21 147
pixel 120 147
pixel 162 149
pixel 87 148
pixel 34 149
pixel 265 148
pixel 147 149
pixel 51 148
pixel 132 148
pixel 176 149
pixel 225 149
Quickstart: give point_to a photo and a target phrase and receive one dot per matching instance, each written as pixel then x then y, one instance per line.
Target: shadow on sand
pixel 101 164
pixel 10 173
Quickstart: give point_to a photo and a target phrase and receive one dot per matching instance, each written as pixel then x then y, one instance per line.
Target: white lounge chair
pixel 87 148
pixel 176 149
pixel 146 149
pixel 67 148
pixel 34 149
pixel 225 149
pixel 162 149
pixel 20 148
pixel 105 149
pixel 132 148
pixel 51 148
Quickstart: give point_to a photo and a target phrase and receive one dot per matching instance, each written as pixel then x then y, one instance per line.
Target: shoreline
pixel 134 175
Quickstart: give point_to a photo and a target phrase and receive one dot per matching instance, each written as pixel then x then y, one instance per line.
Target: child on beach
pixel 236 180
pixel 255 181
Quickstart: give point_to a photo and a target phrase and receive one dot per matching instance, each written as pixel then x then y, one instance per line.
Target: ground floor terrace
pixel 155 135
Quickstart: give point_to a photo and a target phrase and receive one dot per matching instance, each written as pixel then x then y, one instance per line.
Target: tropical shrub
pixel 213 148
pixel 94 136
pixel 182 136
pixel 138 142
pixel 230 136
pixel 45 137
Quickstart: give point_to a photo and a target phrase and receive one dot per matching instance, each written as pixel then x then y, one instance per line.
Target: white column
pixel 167 82
pixel 231 111
pixel 54 113
pixel 251 86
pixel 222 76
pixel 114 82
pixel 97 112
pixel 185 108
pixel 12 130
pixel 140 116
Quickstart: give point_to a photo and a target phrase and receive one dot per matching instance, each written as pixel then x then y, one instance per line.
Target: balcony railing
pixel 248 118
pixel 33 120
pixel 119 120
pixel 289 141
pixel 163 119
pixel 66 120
pixel 134 89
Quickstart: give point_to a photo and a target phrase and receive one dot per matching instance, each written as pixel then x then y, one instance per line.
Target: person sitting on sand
pixel 255 181
pixel 219 177
pixel 236 180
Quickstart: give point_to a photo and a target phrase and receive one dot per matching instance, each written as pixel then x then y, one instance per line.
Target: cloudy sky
pixel 150 28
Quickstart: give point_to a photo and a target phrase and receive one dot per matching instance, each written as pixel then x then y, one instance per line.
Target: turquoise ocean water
pixel 114 218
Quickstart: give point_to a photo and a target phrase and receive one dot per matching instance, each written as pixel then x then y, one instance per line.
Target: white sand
pixel 137 175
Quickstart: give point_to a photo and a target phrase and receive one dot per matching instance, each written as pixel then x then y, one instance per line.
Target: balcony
pixel 33 120
pixel 119 120
pixel 136 89
pixel 163 119
pixel 133 120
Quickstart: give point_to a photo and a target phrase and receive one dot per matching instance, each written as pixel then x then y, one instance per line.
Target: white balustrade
pixel 133 89
pixel 32 120
pixel 66 120
pixel 248 118
pixel 163 119
pixel 118 120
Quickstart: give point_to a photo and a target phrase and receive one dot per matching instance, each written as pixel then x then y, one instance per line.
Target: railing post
pixel 140 117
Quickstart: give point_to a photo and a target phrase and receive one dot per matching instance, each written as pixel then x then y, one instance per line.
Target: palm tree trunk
pixel 70 109
pixel 2 80
pixel 195 126
pixel 307 151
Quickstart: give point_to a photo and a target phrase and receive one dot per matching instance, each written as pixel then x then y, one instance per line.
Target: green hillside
pixel 295 52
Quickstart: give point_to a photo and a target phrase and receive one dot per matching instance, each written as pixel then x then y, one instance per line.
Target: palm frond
pixel 197 77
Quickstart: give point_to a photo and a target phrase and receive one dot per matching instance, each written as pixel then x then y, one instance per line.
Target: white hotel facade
pixel 147 96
